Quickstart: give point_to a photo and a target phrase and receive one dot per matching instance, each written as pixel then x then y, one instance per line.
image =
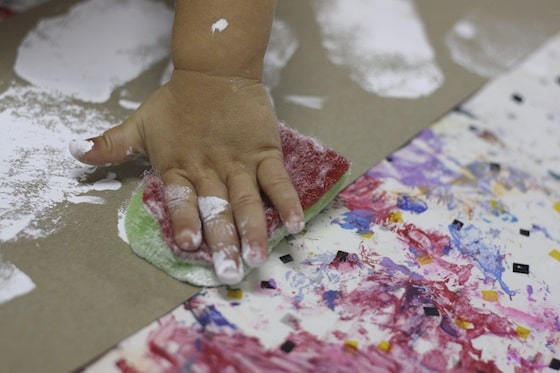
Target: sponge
pixel 317 172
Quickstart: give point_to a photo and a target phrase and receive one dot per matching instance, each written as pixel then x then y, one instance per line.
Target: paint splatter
pixel 382 44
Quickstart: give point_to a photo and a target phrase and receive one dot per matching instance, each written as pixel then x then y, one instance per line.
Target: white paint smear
pixel 97 46
pixel 13 282
pixel 382 43
pixel 488 44
pixel 312 102
pixel 220 25
pixel 210 207
pixel 128 104
pixel 38 171
pixel 282 45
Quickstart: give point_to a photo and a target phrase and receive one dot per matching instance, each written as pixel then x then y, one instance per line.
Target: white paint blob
pixel 220 25
pixel 311 102
pixel 80 147
pixel 282 45
pixel 95 47
pixel 211 207
pixel 109 183
pixel 488 44
pixel 13 282
pixel 382 43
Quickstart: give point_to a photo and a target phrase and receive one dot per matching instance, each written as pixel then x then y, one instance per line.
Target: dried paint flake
pixel 520 268
pixel 269 284
pixel 522 332
pixel 286 258
pixel 384 346
pixel 341 256
pixel 425 260
pixel 490 295
pixel 463 323
pixel 291 320
pixel 554 364
pixel 351 346
pixel 555 254
pixel 457 224
pixel 235 293
pixel 517 98
pixel 556 206
pixel 288 346
pixel 524 232
pixel 431 311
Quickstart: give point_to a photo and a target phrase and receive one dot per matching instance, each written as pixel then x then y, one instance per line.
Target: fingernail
pixel 188 240
pixel 80 147
pixel 252 256
pixel 294 224
pixel 228 271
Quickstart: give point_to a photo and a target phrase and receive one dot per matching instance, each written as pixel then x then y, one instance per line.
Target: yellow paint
pixel 351 345
pixel 557 206
pixel 490 295
pixel 235 293
pixel 384 346
pixel 367 235
pixel 462 323
pixel 395 217
pixel 555 254
pixel 424 259
pixel 522 332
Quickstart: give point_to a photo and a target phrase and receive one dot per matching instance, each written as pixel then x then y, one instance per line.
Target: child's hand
pixel 214 141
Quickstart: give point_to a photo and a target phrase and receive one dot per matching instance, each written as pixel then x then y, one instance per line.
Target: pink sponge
pixel 318 173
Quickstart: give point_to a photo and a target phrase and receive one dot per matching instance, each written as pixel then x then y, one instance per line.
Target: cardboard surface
pixel 92 291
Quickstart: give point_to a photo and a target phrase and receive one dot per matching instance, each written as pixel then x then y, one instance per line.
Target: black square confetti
pixel 268 285
pixel 457 224
pixel 286 258
pixel 341 256
pixel 494 167
pixel 521 268
pixel 288 346
pixel 554 364
pixel 524 232
pixel 517 97
pixel 431 311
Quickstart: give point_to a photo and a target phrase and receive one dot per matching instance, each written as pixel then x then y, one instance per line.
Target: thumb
pixel 117 145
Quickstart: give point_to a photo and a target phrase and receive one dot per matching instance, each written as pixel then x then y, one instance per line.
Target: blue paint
pixel 468 241
pixel 330 297
pixel 359 219
pixel 211 316
pixel 408 203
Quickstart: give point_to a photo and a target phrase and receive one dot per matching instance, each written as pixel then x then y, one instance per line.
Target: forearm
pixel 238 50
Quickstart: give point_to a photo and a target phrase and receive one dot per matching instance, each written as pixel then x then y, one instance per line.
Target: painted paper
pixel 443 257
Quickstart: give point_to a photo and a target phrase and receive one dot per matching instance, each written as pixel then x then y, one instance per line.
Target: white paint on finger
pixel 211 207
pixel 228 271
pixel 382 43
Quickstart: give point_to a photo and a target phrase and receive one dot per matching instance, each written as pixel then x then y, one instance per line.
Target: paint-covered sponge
pixel 317 172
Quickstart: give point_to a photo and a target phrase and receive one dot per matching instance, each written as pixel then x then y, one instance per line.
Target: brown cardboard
pixel 92 291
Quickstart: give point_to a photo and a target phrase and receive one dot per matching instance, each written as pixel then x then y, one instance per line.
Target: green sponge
pixel 317 172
